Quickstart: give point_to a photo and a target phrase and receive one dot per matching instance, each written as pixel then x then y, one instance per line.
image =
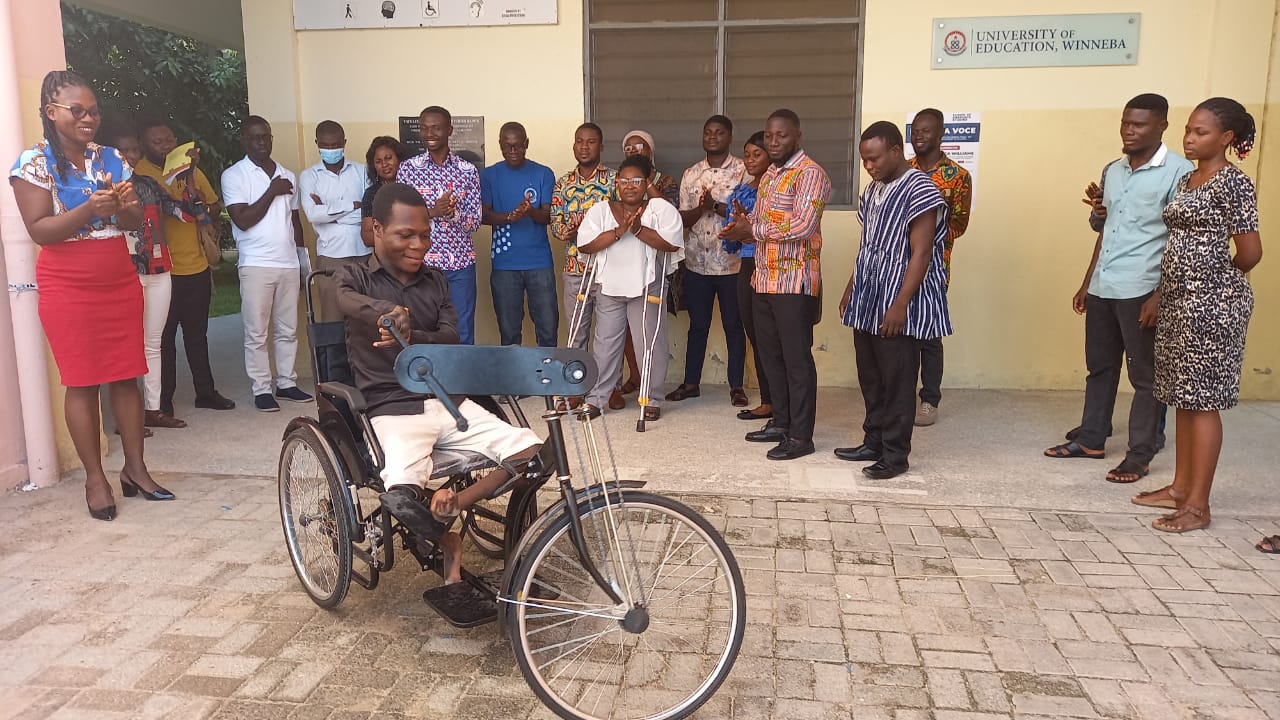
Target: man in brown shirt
pixel 393 283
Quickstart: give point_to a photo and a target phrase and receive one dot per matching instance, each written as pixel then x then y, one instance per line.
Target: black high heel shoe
pixel 131 489
pixel 107 513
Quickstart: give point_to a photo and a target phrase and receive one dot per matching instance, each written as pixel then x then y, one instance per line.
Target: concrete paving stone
pixel 795 678
pixel 947 689
pixel 1268 702
pixel 957 660
pixel 1107 697
pixel 1051 706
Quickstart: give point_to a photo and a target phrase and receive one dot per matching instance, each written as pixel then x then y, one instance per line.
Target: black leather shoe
pixel 862 453
pixel 790 449
pixel 213 401
pixel 770 433
pixel 883 471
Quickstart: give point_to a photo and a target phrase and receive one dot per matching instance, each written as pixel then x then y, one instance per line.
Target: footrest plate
pixel 462 605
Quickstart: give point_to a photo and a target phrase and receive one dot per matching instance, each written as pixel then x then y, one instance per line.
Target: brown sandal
pixel 652 412
pixel 1185 520
pixel 1145 498
pixel 160 419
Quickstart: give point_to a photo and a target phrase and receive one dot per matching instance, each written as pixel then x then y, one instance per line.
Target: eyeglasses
pixel 633 182
pixel 79 113
pixel 638 147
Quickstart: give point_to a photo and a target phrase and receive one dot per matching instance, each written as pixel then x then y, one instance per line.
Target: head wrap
pixel 648 139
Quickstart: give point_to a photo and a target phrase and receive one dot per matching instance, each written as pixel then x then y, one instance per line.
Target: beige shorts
pixel 408 440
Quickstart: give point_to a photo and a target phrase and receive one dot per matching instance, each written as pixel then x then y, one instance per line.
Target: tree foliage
pixel 140 72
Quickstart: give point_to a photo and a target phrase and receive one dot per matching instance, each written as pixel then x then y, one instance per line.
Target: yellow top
pixel 184 242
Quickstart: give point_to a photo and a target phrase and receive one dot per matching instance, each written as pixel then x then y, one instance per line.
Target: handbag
pixel 675 290
pixel 210 240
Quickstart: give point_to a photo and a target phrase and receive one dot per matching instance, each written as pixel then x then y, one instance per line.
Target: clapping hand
pixel 739 228
pixel 521 210
pixel 445 205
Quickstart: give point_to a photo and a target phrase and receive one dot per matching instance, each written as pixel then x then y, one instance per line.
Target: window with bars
pixel 666 65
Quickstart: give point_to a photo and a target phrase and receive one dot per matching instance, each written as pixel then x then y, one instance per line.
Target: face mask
pixel 331 157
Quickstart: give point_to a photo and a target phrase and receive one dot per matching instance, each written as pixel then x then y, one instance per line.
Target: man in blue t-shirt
pixel 516 194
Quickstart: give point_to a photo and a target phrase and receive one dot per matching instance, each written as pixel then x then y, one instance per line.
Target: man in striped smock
pixel 895 298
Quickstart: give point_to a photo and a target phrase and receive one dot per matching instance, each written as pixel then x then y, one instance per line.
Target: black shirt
pixel 366 203
pixel 366 292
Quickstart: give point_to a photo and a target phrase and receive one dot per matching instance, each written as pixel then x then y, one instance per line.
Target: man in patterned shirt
pixel 710 272
pixel 896 296
pixel 956 187
pixel 574 193
pixel 451 187
pixel 786 224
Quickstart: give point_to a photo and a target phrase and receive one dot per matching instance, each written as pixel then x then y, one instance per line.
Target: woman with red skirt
pixel 75 199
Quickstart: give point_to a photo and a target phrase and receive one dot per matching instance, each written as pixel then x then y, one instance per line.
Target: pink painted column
pixel 26 54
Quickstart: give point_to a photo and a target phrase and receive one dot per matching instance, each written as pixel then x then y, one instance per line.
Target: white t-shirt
pixel 627 267
pixel 270 243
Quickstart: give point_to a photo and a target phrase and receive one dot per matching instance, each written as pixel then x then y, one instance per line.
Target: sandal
pixel 1128 471
pixel 1145 498
pixel 738 397
pixel 1185 520
pixel 652 412
pixel 1269 545
pixel 684 391
pixel 156 418
pixel 1073 450
pixel 630 386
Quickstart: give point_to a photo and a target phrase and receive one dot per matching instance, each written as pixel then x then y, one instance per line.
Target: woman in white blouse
pixel 635 242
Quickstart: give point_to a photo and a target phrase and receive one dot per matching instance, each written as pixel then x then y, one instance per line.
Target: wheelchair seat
pixel 351 405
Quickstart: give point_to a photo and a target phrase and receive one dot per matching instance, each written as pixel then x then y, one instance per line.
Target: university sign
pixel 1036 41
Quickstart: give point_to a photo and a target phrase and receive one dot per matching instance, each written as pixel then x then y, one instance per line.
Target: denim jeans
pixel 462 293
pixel 509 290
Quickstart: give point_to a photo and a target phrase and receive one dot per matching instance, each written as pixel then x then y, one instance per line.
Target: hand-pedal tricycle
pixel 618 603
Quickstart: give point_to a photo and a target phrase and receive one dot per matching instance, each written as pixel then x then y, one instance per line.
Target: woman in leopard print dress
pixel 1205 304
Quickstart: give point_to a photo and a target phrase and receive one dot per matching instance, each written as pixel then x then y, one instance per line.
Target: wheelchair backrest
pixel 329 352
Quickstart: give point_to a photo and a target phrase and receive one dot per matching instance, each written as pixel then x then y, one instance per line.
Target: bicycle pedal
pixel 462 605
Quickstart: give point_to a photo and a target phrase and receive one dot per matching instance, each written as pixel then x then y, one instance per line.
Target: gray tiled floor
pixel 190 610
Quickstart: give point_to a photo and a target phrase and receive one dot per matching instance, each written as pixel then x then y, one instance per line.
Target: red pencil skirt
pixel 91 309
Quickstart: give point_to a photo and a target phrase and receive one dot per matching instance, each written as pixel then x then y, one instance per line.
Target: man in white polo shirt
pixel 262 200
pixel 330 193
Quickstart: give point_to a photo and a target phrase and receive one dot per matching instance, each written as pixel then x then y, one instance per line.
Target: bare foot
pixel 451 544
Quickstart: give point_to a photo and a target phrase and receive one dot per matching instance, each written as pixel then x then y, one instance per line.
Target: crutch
pixel 648 343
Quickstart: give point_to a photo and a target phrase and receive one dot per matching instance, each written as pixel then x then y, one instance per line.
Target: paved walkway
pixel 989 582
pixel 190 610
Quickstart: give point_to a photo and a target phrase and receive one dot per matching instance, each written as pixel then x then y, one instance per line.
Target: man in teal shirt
pixel 1118 296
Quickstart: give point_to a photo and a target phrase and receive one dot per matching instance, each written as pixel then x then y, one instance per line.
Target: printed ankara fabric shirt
pixel 85 176
pixel 956 186
pixel 787 225
pixel 572 198
pixel 523 244
pixel 451 245
pixel 703 252
pixel 885 212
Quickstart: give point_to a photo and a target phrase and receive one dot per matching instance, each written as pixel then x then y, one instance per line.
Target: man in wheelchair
pixel 394 284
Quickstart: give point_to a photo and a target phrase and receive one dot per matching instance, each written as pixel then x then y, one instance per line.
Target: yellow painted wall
pixel 1047 133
